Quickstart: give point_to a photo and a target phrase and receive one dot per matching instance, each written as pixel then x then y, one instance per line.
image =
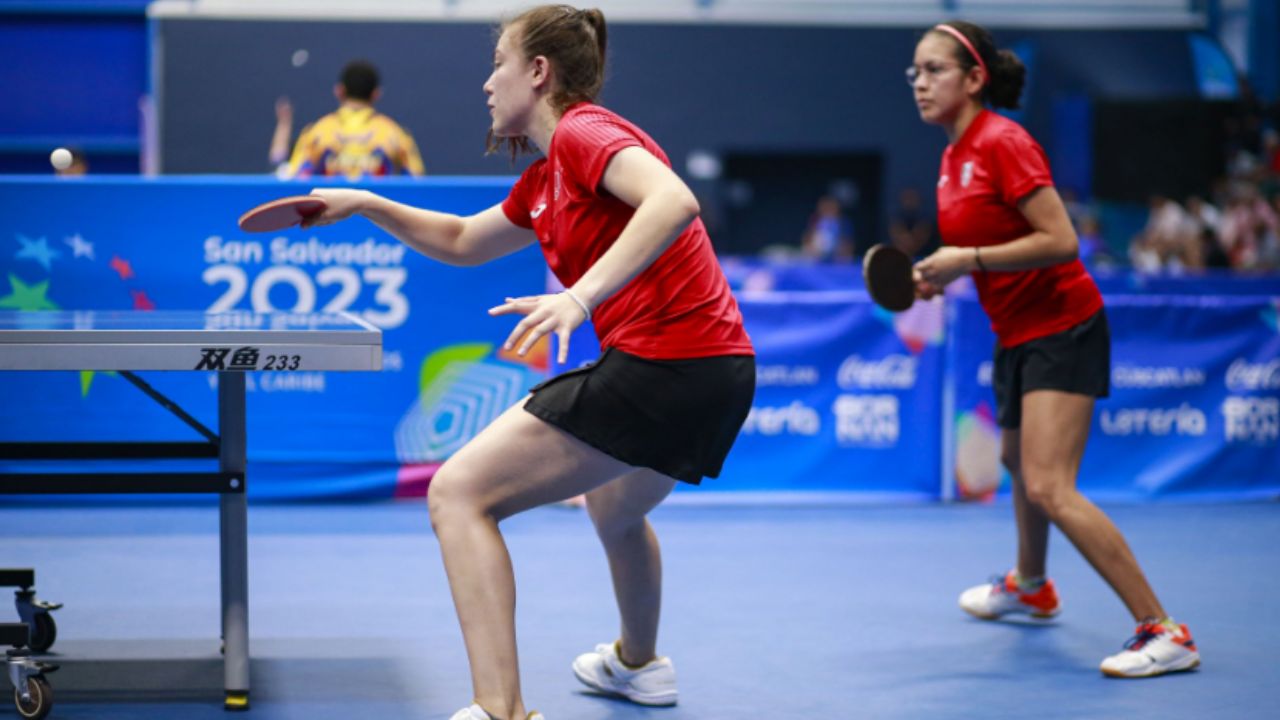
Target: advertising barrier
pixel 850 399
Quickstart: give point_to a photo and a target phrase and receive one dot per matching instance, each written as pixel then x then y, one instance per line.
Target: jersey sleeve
pixel 412 159
pixel 588 143
pixel 516 206
pixel 1021 166
pixel 301 162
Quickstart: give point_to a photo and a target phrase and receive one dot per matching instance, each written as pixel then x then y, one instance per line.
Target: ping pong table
pixel 229 344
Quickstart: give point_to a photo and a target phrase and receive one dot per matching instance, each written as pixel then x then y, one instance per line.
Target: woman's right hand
pixel 341 204
pixel 925 290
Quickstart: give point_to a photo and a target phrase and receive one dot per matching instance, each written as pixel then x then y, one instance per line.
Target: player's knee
pixel 448 495
pixel 612 519
pixel 1044 492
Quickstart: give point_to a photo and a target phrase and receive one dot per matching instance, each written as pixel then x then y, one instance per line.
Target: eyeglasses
pixel 930 71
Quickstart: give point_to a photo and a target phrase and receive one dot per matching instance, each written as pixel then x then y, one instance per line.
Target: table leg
pixel 234 541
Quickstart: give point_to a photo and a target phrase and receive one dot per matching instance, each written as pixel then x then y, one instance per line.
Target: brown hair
pixel 1004 88
pixel 573 42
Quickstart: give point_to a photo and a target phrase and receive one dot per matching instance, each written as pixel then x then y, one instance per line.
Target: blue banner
pixel 1194 409
pixel 129 243
pixel 846 397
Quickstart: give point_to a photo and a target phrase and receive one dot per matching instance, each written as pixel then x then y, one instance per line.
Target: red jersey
pixel 984 174
pixel 678 307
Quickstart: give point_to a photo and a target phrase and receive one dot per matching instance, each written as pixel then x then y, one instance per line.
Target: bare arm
pixel 451 239
pixel 279 151
pixel 1052 242
pixel 664 207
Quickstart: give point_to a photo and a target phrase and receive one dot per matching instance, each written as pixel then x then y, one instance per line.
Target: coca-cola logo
pixel 892 371
pixel 1244 376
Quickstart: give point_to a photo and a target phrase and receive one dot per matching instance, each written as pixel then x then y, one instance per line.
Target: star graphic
pixel 141 301
pixel 122 267
pixel 80 248
pixel 27 297
pixel 37 250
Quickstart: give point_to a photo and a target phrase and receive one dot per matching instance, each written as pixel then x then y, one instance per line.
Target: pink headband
pixel 967 46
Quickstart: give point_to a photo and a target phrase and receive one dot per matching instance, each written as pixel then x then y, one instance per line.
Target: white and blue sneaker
pixel 1155 649
pixel 603 671
pixel 475 712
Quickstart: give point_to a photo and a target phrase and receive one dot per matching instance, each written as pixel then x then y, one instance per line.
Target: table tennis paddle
pixel 282 213
pixel 888 274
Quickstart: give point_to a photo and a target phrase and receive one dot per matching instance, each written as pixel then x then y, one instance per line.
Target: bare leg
pixel 516 463
pixel 1033 525
pixel 1055 427
pixel 618 511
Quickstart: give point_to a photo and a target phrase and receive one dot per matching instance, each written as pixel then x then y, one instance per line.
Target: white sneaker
pixel 475 712
pixel 1002 596
pixel 653 684
pixel 1153 650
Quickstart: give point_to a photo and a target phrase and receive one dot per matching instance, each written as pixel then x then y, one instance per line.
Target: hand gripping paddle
pixel 282 213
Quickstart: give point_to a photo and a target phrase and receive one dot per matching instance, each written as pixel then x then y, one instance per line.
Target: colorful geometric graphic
pixel 978 471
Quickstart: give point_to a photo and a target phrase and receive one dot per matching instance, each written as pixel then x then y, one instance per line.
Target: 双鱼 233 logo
pixel 245 358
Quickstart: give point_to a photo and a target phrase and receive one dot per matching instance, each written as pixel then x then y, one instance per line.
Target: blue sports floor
pixel 791 612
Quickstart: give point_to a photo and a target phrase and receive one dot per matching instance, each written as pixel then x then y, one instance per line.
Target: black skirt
pixel 679 417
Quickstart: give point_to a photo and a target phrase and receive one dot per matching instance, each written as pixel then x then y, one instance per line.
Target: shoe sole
pixel 995 616
pixel 656 700
pixel 1195 663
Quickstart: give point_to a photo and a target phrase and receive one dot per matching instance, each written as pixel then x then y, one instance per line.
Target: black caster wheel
pixel 43 632
pixel 41 701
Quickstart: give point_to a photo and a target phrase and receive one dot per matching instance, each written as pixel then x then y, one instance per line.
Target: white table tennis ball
pixel 60 159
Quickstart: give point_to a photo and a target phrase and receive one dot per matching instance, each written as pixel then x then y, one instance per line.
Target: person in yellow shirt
pixel 355 141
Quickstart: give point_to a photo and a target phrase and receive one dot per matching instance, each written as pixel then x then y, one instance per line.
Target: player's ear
pixel 375 96
pixel 540 67
pixel 339 92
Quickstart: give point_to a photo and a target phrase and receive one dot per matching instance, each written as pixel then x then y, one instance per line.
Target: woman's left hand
pixel 946 264
pixel 543 314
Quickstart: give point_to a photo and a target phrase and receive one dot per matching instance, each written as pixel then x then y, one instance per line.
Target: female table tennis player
pixel 665 401
pixel 1003 222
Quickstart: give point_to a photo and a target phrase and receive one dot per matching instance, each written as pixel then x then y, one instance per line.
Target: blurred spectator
pixel 1093 248
pixel 911 228
pixel 354 141
pixel 1204 214
pixel 1170 241
pixel 829 236
pixel 1212 254
pixel 1250 232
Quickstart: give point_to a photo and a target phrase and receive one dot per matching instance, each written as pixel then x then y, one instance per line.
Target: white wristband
pixel 585 310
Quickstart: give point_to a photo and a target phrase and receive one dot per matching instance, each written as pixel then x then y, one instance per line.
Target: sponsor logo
pixel 794 419
pixel 867 420
pixel 1137 376
pixel 942 181
pixel 1182 420
pixel 245 358
pixel 1244 376
pixel 1251 419
pixel 534 213
pixel 788 375
pixel 966 174
pixel 985 371
pixel 896 372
